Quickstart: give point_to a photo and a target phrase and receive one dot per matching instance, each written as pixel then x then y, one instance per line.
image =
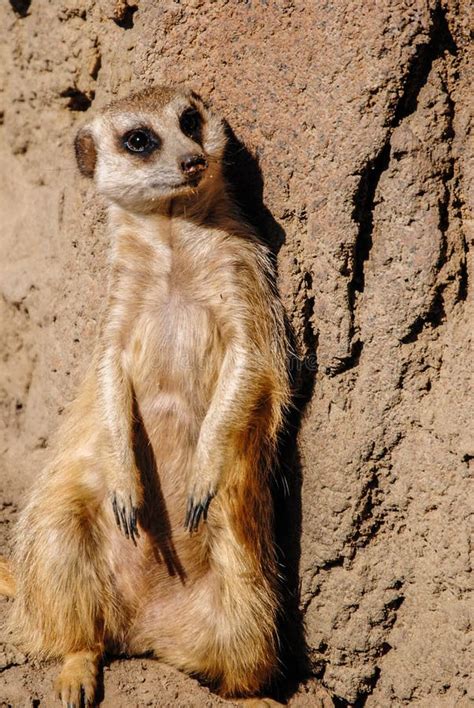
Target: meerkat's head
pixel 153 146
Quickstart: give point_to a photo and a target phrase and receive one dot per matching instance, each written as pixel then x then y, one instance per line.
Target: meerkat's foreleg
pixel 231 407
pixel 126 491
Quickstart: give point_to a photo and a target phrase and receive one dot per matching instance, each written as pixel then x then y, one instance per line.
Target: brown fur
pixel 7 580
pixel 183 402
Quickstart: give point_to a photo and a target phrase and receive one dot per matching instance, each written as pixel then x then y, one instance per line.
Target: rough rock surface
pixel 358 116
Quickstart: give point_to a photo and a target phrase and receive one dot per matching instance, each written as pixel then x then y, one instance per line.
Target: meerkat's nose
pixel 193 164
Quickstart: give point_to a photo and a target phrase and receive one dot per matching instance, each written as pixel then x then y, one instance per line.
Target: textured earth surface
pixel 358 170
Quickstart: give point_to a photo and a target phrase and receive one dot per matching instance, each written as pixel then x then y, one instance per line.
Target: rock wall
pixel 358 115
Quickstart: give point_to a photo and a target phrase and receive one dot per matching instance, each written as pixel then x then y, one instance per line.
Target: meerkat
pixel 151 528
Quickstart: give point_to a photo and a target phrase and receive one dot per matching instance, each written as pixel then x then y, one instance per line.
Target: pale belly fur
pixel 174 362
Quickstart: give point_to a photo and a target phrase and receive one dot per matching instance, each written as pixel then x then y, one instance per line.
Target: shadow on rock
pixel 244 177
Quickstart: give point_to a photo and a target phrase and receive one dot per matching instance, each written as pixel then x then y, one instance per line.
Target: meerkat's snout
pixel 193 166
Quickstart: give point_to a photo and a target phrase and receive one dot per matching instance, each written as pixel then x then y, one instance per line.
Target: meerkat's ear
pixel 86 154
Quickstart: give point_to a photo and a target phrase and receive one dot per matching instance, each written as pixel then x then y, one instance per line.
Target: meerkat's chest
pixel 182 332
pixel 172 325
pixel 175 345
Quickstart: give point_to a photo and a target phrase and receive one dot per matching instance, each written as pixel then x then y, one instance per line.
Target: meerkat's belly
pixel 174 358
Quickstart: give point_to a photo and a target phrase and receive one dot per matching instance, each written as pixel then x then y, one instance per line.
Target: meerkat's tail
pixel 7 581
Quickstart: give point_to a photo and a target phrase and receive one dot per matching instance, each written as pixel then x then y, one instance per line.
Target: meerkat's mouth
pixel 187 183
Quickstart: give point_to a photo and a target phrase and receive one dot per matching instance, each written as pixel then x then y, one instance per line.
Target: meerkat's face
pixel 152 147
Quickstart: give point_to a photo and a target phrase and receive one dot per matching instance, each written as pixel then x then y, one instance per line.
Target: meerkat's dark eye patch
pixel 190 123
pixel 141 141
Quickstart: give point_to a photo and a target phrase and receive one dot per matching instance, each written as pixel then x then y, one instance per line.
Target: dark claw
pixel 123 517
pixel 115 508
pixel 188 513
pixel 197 511
pixel 134 521
pixel 84 701
pixel 131 528
pixel 127 522
pixel 194 513
pixel 191 512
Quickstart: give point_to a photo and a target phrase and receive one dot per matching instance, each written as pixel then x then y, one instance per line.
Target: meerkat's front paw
pixel 198 505
pixel 125 507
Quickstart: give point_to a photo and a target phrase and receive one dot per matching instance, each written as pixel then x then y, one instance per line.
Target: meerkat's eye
pixel 140 141
pixel 191 123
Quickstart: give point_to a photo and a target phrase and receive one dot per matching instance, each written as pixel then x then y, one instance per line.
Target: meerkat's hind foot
pixel 76 685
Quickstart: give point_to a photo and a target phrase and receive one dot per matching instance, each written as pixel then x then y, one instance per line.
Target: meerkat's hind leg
pixel 76 685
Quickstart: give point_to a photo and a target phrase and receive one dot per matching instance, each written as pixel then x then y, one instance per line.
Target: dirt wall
pixel 358 115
